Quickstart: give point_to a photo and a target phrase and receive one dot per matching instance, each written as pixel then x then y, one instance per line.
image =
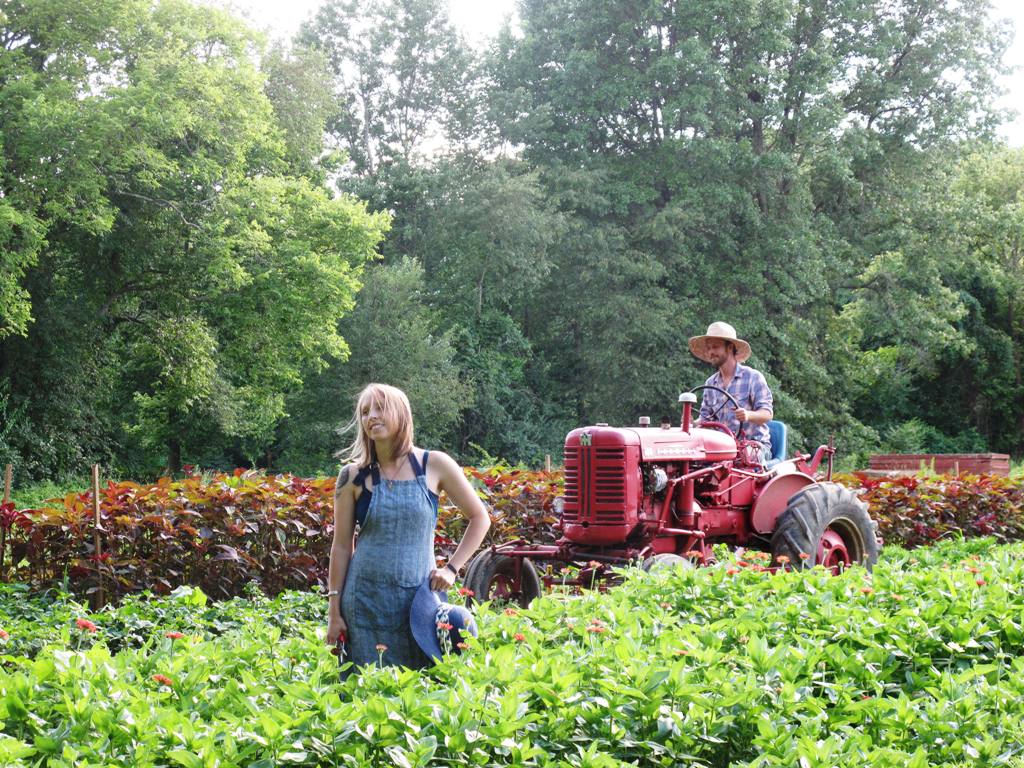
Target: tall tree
pixel 396 338
pixel 399 68
pixel 726 153
pixel 194 272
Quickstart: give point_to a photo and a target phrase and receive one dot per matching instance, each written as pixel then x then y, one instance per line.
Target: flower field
pixel 919 663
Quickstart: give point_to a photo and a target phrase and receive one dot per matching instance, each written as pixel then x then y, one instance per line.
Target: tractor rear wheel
pixel 503 579
pixel 825 524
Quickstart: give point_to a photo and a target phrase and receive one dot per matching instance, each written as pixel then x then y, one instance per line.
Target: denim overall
pixel 394 553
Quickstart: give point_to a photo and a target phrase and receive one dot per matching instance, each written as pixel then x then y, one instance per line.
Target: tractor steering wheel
pixel 718 424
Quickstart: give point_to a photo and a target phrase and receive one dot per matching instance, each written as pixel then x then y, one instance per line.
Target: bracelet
pixel 332 593
pixel 450 567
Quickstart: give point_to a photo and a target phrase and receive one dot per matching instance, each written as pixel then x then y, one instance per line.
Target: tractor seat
pixel 777 435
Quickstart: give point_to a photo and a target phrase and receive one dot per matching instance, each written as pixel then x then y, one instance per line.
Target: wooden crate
pixel 942 463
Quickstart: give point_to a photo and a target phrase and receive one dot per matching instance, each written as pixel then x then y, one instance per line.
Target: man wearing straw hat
pixel 721 347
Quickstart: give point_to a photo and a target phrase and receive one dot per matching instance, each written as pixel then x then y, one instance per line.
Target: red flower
pixel 682 652
pixel 519 637
pixel 731 572
pixel 782 559
pixel 742 563
pixel 381 647
pixel 980 582
pixel 462 646
pixel 694 553
pixel 4 634
pixel 466 592
pixel 804 556
pixel 163 680
pixel 866 590
pixel 87 625
pixel 443 625
pixel 973 570
pixel 511 612
pixel 597 628
pixel 174 635
pixel 593 564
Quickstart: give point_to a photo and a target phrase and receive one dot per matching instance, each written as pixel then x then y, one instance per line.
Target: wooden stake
pixel 547 462
pixel 98 602
pixel 3 533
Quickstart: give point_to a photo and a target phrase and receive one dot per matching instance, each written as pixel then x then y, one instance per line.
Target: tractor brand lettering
pixel 585 438
pixel 676 450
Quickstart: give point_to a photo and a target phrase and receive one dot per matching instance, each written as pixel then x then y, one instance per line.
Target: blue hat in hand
pixel 438 626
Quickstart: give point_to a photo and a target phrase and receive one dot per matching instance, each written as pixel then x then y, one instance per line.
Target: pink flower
pixel 466 592
pixel 519 637
pixel 381 647
pixel 163 680
pixel 980 582
pixel 4 634
pixel 866 590
pixel 782 559
pixel 87 625
pixel 174 635
pixel 731 572
pixel 597 629
pixel 462 646
pixel 444 626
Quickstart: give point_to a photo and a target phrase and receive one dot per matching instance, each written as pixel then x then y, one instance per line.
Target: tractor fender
pixel 773 499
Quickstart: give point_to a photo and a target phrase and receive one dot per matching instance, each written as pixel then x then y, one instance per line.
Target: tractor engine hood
pixel 658 444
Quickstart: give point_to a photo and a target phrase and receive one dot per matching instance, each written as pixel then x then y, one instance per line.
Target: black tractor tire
pixel 821 508
pixel 491 576
pixel 664 561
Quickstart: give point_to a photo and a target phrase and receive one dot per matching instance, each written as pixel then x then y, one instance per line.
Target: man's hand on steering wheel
pixel 716 424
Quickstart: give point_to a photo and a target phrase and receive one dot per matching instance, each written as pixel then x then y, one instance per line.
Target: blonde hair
pixel 394 406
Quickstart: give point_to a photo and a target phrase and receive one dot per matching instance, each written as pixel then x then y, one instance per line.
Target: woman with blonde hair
pixel 389 489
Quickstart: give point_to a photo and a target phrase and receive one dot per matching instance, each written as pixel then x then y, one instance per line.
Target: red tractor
pixel 661 496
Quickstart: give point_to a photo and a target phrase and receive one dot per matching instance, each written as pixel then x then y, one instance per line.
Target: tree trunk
pixel 173 455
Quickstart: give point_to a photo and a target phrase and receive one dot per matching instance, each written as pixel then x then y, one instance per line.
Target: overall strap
pixel 418 470
pixel 370 469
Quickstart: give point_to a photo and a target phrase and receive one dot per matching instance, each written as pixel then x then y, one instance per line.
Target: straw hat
pixel 723 331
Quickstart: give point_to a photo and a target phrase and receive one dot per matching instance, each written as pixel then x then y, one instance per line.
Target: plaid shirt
pixel 751 392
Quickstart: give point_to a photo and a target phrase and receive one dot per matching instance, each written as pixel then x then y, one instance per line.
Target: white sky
pixel 480 19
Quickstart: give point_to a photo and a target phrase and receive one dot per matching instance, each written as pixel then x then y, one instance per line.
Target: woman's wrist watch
pixel 453 569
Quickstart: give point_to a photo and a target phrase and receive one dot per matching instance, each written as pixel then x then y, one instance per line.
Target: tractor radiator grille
pixel 571 502
pixel 595 485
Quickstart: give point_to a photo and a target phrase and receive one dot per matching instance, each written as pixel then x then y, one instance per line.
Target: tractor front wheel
pixel 503 579
pixel 825 524
pixel 664 561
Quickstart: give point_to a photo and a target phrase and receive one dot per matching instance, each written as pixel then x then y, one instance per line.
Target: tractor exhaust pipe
pixel 688 399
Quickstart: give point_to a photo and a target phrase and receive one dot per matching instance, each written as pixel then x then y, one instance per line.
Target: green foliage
pixel 394 337
pixel 399 67
pixel 917 663
pixel 579 200
pixel 200 274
